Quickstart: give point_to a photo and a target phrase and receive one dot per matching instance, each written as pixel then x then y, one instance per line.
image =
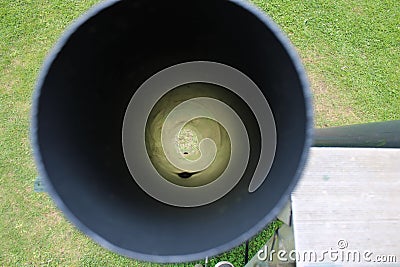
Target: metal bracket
pixel 39 185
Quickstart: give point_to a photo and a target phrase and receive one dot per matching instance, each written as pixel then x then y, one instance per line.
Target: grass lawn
pixel 350 48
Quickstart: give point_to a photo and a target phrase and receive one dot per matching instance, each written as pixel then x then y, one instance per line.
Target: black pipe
pixel 81 100
pixel 378 134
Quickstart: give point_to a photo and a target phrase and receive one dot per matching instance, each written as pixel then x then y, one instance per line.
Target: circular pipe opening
pixel 82 97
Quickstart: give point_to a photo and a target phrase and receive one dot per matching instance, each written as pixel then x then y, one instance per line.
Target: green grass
pixel 351 50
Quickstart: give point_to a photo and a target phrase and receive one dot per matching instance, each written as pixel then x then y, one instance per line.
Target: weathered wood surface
pixel 348 197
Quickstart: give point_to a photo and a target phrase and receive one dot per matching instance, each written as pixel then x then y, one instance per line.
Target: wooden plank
pixel 348 197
